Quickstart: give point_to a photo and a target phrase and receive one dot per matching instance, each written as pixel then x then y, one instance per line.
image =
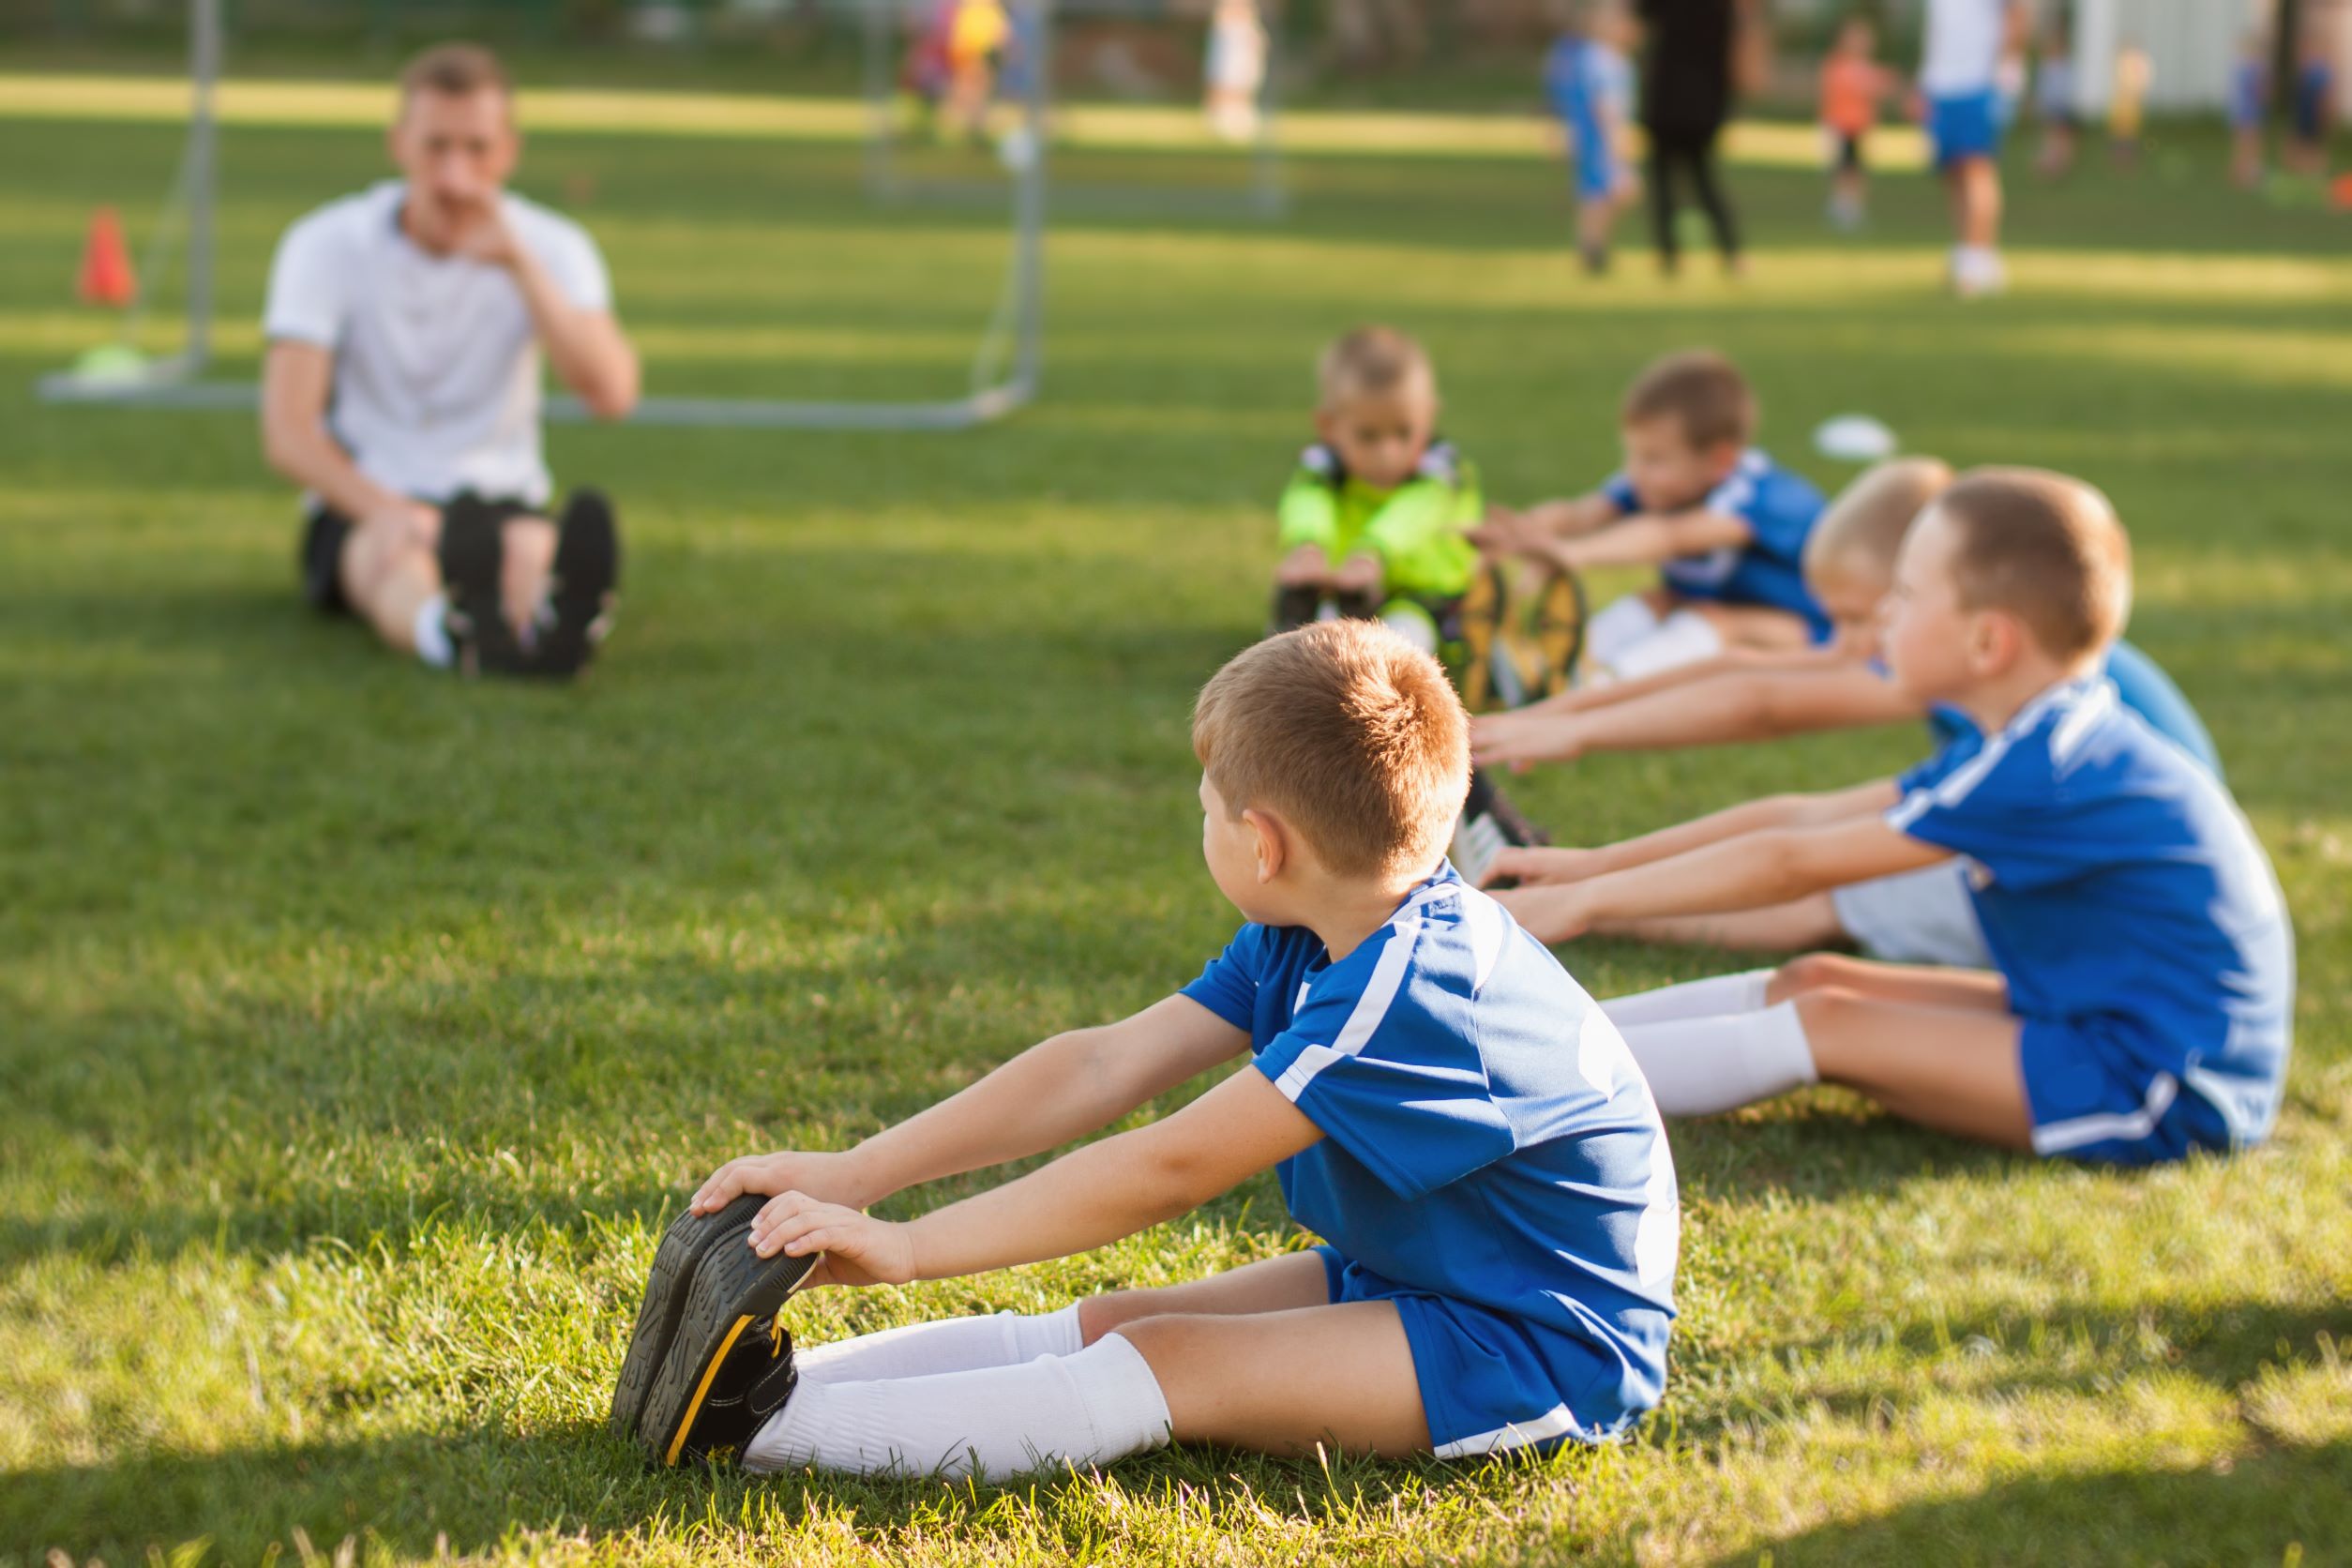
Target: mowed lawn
pixel 359 1030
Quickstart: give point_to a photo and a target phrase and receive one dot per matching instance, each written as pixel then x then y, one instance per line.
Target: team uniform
pixel 437 380
pixel 1590 87
pixel 1418 529
pixel 1927 916
pixel 2136 918
pixel 1961 78
pixel 1780 508
pixel 1492 1162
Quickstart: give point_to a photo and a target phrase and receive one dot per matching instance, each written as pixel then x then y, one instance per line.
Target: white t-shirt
pixel 436 366
pixel 1964 46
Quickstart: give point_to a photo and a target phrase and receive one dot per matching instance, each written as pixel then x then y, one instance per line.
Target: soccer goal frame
pixel 1265 193
pixel 1007 366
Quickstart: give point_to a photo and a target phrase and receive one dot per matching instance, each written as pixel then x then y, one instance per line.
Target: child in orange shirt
pixel 1853 84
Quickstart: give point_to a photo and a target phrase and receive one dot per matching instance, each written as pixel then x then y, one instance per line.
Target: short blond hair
pixel 1372 362
pixel 1864 527
pixel 455 69
pixel 1699 390
pixel 2048 549
pixel 1347 733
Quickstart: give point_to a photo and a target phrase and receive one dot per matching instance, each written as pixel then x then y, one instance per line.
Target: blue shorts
pixel 1964 126
pixel 1488 1383
pixel 2091 1098
pixel 1595 168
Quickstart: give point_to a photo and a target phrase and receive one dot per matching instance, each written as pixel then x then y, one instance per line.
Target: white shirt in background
pixel 436 383
pixel 1964 47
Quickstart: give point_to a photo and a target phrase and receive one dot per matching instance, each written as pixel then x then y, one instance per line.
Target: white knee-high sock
pixel 1089 1408
pixel 1618 628
pixel 947 1345
pixel 1697 999
pixel 1682 638
pixel 1705 1066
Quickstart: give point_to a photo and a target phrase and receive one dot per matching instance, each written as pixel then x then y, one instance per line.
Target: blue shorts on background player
pixel 1445 1107
pixel 1725 525
pixel 2143 993
pixel 1590 83
pixel 1960 77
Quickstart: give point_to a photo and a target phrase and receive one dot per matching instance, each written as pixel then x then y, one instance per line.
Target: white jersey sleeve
pixel 310 283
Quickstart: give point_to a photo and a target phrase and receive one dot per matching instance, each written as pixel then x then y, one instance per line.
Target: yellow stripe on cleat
pixel 694 1406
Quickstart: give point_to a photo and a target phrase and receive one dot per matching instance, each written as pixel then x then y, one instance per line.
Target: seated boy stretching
pixel 2146 975
pixel 1924 916
pixel 1375 523
pixel 1726 526
pixel 1444 1106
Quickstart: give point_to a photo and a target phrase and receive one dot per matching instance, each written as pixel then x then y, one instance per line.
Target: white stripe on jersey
pixel 2057 1137
pixel 1487 929
pixel 1554 1423
pixel 1388 973
pixel 1737 492
pixel 1956 786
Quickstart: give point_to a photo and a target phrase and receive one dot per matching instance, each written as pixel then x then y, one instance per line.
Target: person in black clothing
pixel 1686 90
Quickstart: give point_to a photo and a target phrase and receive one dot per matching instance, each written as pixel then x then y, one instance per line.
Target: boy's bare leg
pixel 1803 922
pixel 1280 1382
pixel 1976 990
pixel 526 559
pixel 1935 1047
pixel 1747 626
pixel 1293 1280
pixel 389 570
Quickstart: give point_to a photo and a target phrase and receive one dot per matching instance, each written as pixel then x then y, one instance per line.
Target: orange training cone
pixel 106 275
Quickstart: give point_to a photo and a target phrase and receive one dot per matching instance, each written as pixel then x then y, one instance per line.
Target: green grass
pixel 358 1028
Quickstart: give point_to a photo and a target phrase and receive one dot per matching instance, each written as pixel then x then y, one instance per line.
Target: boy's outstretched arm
pixel 1866 801
pixel 1089 1196
pixel 1647 540
pixel 1057 1090
pixel 1749 872
pixel 1607 694
pixel 1730 708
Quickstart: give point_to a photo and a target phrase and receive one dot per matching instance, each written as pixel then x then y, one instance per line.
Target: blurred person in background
pixel 1697 53
pixel 2054 103
pixel 1590 82
pixel 1959 82
pixel 2249 106
pixel 1853 86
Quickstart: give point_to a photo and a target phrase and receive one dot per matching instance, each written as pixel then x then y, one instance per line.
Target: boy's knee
pixel 1100 1314
pixel 1807 974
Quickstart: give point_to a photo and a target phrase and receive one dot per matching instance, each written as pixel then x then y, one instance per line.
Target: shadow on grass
pixel 2283 1504
pixel 473 1489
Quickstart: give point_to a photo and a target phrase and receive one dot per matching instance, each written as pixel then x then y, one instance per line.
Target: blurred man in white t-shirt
pixel 406 327
pixel 1960 79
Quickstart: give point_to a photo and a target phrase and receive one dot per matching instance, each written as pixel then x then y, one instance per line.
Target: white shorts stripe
pixel 1554 1423
pixel 2058 1137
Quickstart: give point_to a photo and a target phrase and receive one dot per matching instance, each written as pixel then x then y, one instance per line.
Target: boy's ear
pixel 1995 639
pixel 1723 456
pixel 1272 843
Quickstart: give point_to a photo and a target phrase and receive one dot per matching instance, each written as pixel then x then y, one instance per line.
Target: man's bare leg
pixel 390 572
pixel 527 557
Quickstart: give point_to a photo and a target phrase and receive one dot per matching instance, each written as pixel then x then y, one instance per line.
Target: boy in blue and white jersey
pixel 1444 1106
pixel 2142 996
pixel 1590 83
pixel 1725 525
pixel 1960 78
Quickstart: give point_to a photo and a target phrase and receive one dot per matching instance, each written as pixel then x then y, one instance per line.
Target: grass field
pixel 360 1027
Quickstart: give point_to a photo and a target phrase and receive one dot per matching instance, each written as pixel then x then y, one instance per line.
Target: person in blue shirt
pixel 1588 82
pixel 1725 525
pixel 1445 1107
pixel 2140 1000
pixel 1924 916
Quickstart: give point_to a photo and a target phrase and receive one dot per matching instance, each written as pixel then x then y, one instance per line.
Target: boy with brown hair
pixel 2142 996
pixel 1444 1105
pixel 1921 917
pixel 1725 525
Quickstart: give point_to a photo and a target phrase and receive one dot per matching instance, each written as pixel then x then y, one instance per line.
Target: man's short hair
pixel 1702 390
pixel 1349 734
pixel 456 71
pixel 2048 549
pixel 1864 527
pixel 1372 362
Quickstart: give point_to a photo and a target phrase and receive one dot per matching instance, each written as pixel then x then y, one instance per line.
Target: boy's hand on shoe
pixel 1499 534
pixel 1304 568
pixel 1358 574
pixel 858 1249
pixel 1533 867
pixel 832 1177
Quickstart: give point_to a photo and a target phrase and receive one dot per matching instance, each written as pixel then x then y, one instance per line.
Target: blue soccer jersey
pixel 1491 1162
pixel 1780 509
pixel 2135 917
pixel 2142 686
pixel 1590 84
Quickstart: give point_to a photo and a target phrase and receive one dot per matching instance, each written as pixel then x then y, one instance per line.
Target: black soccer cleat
pixel 709 1360
pixel 587 589
pixel 472 552
pixel 1489 823
pixel 1294 607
